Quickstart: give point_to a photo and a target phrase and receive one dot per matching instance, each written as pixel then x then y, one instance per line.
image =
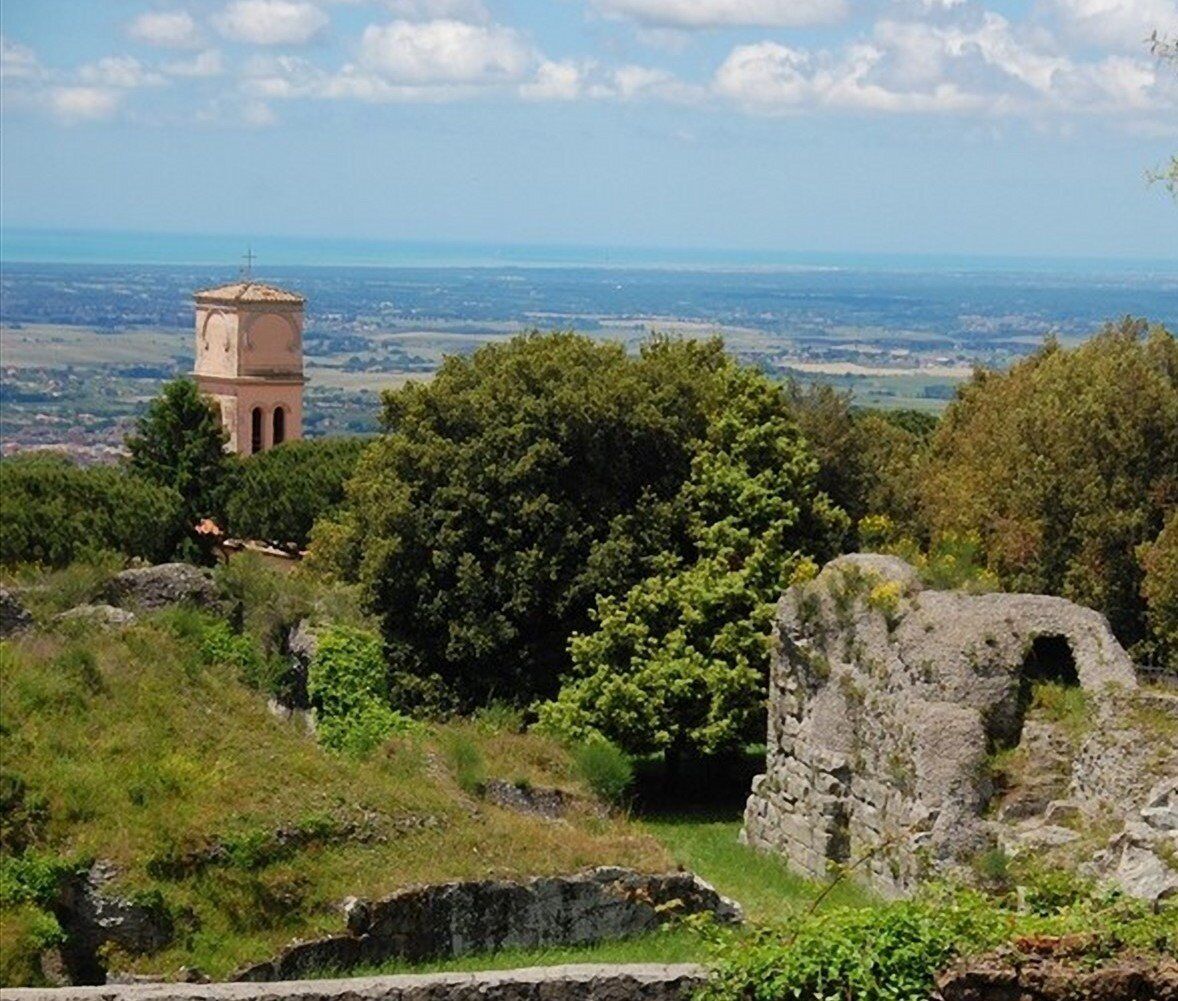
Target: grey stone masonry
pixel 645 982
pixel 885 699
pixel 455 919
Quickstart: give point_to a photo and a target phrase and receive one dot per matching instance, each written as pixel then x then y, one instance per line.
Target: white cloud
pixel 444 52
pixel 631 83
pixel 74 104
pixel 433 10
pixel 555 81
pixel 258 113
pixel 170 29
pixel 725 13
pixel 271 22
pixel 18 62
pixel 568 80
pixel 987 66
pixel 204 64
pixel 1117 23
pixel 125 72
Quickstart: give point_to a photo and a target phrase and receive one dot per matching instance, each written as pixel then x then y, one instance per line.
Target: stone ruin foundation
pixel 885 701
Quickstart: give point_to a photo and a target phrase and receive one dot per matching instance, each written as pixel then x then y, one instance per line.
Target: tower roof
pixel 248 292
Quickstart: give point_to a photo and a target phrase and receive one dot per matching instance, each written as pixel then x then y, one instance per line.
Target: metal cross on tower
pixel 248 257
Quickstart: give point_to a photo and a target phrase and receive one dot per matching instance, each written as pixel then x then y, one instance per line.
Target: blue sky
pixel 894 126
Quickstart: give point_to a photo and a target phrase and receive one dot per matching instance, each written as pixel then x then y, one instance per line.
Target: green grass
pixel 763 884
pixel 146 754
pixel 705 843
pixel 1067 706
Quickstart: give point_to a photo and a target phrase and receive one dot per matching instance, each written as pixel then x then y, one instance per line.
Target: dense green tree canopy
pixel 53 511
pixel 180 443
pixel 1159 587
pixel 870 462
pixel 679 662
pixel 279 494
pixel 1064 466
pixel 510 491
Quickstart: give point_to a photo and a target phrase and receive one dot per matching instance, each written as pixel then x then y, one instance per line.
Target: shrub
pixel 347 687
pixel 55 512
pixel 32 877
pixel 279 494
pixel 465 760
pixel 604 767
pixel 25 933
pixel 893 952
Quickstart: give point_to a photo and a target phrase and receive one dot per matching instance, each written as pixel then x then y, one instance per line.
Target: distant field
pixel 38 345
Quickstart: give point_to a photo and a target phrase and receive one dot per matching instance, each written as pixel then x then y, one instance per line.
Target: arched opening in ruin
pixel 1050 658
pixel 279 425
pixel 256 431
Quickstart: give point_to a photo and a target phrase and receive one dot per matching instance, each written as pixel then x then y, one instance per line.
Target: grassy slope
pixel 144 752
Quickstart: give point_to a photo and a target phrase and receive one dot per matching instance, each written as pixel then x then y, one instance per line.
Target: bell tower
pixel 249 359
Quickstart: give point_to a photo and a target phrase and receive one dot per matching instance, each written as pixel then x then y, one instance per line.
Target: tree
pixel 1166 50
pixel 180 444
pixel 680 662
pixel 869 461
pixel 1063 466
pixel 279 493
pixel 1159 587
pixel 55 512
pixel 510 491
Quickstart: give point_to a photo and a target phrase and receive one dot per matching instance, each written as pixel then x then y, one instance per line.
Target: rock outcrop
pixel 454 919
pixel 150 588
pixel 885 701
pixel 102 616
pixel 13 615
pixel 93 916
pixel 1023 975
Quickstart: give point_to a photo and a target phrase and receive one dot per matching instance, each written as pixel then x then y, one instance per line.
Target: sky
pixel 1011 127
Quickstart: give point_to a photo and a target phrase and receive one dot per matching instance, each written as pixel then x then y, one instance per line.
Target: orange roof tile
pixel 248 292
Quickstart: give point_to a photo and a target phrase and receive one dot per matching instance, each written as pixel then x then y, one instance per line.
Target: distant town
pixel 84 346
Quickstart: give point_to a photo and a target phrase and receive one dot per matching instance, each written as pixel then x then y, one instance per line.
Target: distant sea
pixel 226 251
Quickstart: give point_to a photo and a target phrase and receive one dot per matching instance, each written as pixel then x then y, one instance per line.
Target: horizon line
pixel 538 254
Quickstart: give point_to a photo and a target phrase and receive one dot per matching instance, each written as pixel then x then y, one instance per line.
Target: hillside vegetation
pixel 139 748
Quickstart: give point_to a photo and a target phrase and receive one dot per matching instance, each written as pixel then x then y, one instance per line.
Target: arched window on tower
pixel 279 425
pixel 256 430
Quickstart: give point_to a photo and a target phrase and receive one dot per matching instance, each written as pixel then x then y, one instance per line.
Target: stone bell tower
pixel 249 359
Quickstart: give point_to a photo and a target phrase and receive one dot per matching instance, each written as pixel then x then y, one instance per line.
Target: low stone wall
pixel 455 919
pixel 557 983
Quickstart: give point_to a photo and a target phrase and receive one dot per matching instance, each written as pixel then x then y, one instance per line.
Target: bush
pixel 56 512
pixel 32 878
pixel 279 494
pixel 25 933
pixel 465 760
pixel 604 767
pixel 893 952
pixel 348 689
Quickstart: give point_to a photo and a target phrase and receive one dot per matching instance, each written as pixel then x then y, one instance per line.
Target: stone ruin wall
pixel 885 700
